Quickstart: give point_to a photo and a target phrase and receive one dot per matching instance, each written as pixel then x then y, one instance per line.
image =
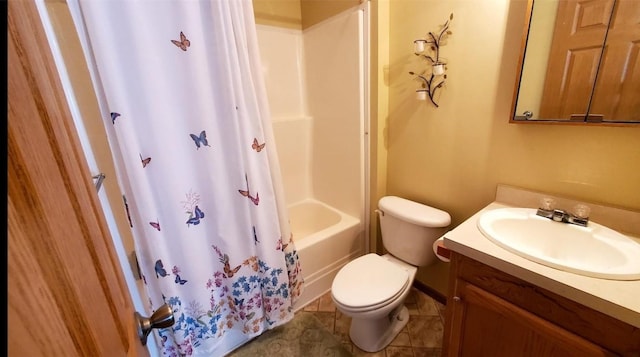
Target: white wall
pixel 314 81
pixel 335 75
pixel 281 52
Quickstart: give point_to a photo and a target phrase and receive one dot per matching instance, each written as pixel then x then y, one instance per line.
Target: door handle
pixel 161 318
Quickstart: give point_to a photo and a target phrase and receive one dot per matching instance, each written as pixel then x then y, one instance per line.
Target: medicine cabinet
pixel 579 63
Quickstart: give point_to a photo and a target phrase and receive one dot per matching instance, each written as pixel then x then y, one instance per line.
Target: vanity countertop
pixel 619 299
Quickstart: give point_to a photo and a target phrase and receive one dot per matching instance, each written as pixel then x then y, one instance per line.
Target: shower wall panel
pixel 335 75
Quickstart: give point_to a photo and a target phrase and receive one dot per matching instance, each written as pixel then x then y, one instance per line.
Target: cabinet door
pixel 485 325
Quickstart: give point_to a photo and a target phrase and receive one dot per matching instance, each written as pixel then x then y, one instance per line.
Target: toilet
pixel 372 289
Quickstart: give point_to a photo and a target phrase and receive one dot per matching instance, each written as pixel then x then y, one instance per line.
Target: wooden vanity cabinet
pixel 491 313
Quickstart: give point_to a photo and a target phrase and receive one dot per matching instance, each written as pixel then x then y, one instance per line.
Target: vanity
pixel 503 304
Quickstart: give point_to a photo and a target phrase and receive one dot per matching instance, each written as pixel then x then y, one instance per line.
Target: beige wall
pixel 314 11
pixel 453 156
pixel 379 108
pixel 298 14
pixel 280 13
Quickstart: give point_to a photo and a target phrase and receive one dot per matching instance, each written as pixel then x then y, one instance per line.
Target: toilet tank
pixel 409 229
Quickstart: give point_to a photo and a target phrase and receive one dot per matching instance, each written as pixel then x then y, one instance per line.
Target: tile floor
pixel 421 337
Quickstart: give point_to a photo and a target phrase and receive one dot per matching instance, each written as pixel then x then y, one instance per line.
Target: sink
pixel 595 250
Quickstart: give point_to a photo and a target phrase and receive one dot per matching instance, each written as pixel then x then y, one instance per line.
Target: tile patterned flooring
pixel 421 337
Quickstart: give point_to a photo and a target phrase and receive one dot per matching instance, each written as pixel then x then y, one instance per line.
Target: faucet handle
pixel 580 215
pixel 546 207
pixel 581 211
pixel 547 204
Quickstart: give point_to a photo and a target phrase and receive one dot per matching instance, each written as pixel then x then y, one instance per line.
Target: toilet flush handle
pixel 379 212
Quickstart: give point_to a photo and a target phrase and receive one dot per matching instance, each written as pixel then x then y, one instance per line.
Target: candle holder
pixel 434 76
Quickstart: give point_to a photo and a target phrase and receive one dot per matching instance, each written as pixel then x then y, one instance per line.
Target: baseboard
pixel 436 295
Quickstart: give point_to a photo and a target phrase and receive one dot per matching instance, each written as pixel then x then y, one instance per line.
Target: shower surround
pixel 315 82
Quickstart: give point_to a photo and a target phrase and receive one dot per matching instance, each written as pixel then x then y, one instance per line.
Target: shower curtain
pixel 180 88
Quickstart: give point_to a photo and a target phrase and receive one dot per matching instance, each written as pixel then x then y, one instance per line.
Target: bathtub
pixel 326 239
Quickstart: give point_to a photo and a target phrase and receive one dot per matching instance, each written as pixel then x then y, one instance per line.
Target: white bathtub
pixel 326 239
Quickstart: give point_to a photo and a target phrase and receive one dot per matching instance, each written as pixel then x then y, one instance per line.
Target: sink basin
pixel 595 250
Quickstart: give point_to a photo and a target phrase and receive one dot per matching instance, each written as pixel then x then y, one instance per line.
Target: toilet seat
pixel 368 282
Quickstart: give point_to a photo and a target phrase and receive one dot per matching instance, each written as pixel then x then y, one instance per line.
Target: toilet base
pixel 374 335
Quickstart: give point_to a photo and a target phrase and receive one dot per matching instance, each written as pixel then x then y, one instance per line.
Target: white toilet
pixel 371 289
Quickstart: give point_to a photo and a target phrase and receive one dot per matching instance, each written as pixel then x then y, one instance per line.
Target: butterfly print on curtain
pixel 195 216
pixel 281 245
pixel 228 272
pixel 145 162
pixel 183 43
pixel 178 280
pixel 200 139
pixel 191 207
pixel 255 236
pixel 155 224
pixel 126 208
pixel 114 116
pixel 247 193
pixel 257 147
pixel 160 271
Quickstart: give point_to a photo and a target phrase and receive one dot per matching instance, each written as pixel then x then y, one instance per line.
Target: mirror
pixel 580 63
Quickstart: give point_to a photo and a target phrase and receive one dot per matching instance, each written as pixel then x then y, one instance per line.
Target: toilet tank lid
pixel 414 212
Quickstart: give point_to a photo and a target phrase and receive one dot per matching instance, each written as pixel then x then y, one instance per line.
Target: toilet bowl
pixel 371 289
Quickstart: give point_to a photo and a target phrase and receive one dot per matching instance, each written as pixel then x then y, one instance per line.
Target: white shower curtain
pixel 180 88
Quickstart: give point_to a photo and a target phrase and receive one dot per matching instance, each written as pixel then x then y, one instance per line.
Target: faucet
pixel 579 216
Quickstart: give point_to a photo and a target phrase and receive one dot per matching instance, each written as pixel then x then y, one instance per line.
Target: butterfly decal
pixel 255 200
pixel 145 162
pixel 183 43
pixel 126 207
pixel 250 316
pixel 255 236
pixel 195 216
pixel 155 225
pixel 257 147
pixel 200 139
pixel 160 271
pixel 253 261
pixel 281 245
pixel 180 281
pixel 114 116
pixel 228 272
pixel 247 193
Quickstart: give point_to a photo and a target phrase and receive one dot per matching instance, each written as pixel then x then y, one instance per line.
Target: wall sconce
pixel 435 80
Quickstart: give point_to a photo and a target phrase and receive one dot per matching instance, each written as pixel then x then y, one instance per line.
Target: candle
pixel 438 69
pixel 421 94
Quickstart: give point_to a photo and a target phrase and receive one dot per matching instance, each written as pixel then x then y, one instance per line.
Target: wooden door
pixel 66 293
pixel 574 57
pixel 617 92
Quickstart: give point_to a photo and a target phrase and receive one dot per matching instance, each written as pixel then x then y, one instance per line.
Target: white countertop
pixel 619 299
